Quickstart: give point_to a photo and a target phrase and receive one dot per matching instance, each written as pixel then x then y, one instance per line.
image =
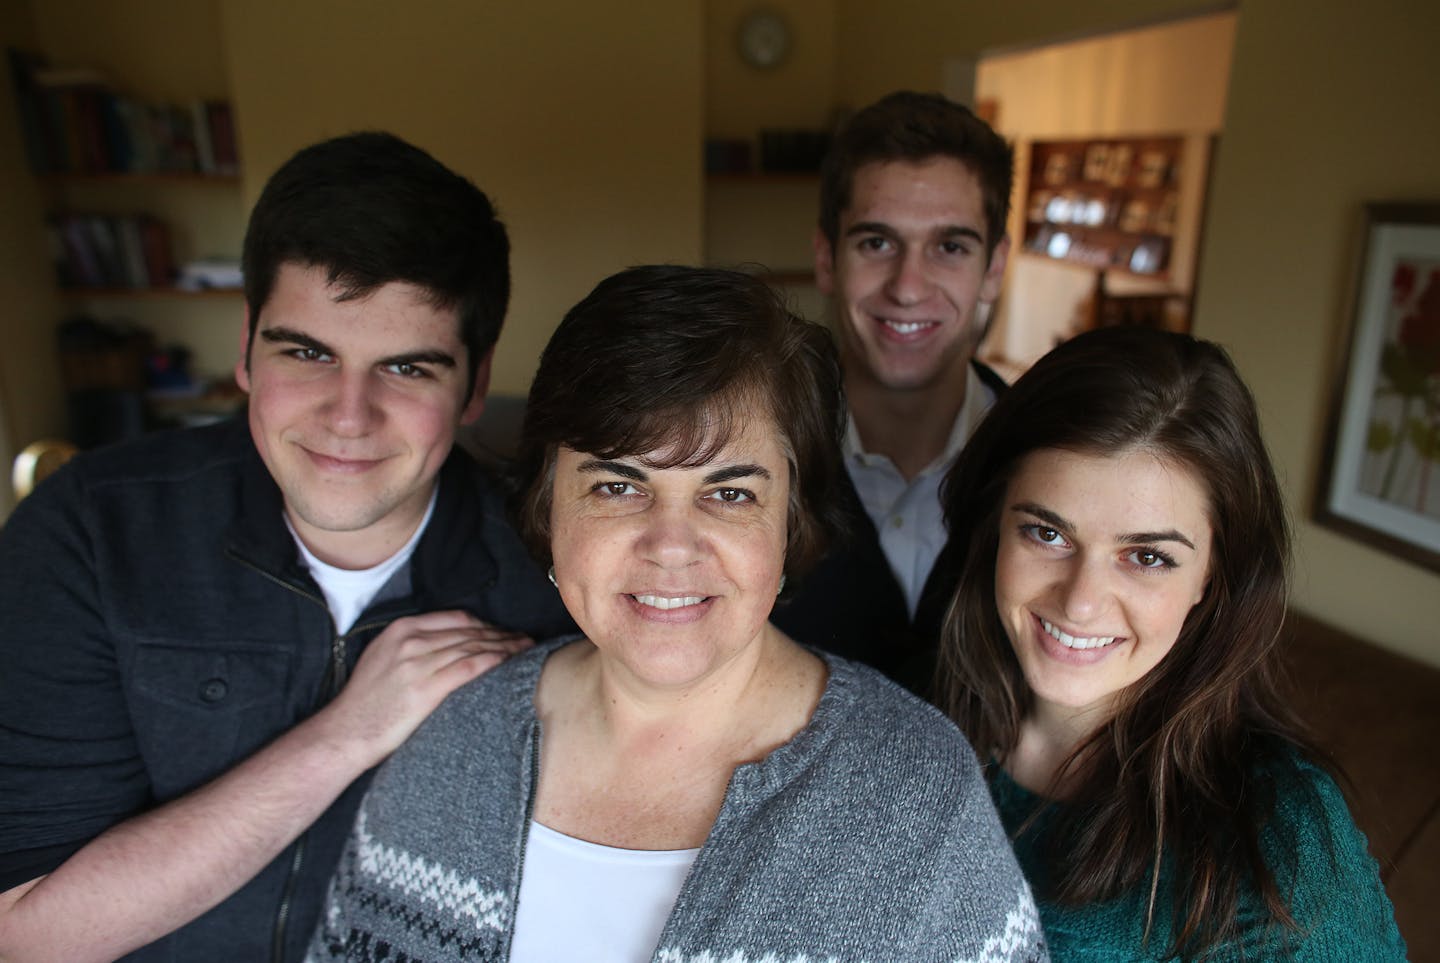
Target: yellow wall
pixel 156 49
pixel 800 92
pixel 906 43
pixel 581 120
pixel 1328 109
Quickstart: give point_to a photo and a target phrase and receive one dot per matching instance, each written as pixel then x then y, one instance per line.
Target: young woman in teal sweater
pixel 1112 649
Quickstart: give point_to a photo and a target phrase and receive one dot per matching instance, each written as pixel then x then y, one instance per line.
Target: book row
pixel 101 251
pixel 75 124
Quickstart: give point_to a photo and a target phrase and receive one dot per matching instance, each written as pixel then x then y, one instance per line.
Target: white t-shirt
pixel 908 514
pixel 348 592
pixel 583 901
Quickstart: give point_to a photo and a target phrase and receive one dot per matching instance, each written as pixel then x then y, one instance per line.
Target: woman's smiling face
pixel 1101 558
pixel 673 571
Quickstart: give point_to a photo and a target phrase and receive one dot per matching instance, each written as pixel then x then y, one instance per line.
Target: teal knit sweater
pixel 1340 905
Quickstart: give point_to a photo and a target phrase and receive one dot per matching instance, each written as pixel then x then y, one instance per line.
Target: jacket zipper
pixel 337 675
pixel 297 858
pixel 336 678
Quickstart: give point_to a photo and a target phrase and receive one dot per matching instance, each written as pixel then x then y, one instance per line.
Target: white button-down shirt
pixel 908 515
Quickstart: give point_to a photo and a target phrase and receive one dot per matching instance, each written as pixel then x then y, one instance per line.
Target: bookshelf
pixel 134 191
pixel 107 162
pixel 189 217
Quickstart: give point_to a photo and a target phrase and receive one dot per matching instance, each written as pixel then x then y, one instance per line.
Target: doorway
pixel 1114 139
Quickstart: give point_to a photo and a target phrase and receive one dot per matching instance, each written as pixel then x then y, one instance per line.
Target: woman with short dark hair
pixel 1111 647
pixel 684 783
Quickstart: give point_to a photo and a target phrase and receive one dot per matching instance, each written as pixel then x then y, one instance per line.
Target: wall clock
pixel 763 39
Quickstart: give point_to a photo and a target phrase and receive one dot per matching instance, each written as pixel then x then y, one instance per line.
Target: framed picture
pixel 1380 478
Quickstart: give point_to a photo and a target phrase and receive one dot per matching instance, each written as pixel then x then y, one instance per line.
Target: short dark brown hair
pixel 370 209
pixel 910 126
pixel 667 358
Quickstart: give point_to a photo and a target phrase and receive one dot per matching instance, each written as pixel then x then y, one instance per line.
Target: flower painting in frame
pixel 1381 476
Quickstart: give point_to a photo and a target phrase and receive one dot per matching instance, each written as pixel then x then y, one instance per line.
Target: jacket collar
pixel 453 560
pixel 450 562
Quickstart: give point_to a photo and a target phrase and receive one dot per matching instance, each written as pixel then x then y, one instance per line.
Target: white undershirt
pixel 583 901
pixel 348 592
pixel 908 514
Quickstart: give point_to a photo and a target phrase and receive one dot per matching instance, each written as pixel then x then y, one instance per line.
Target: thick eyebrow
pixel 1130 538
pixel 597 466
pixel 1143 538
pixel 719 476
pixel 732 472
pixel 955 230
pixel 1044 514
pixel 290 336
pixel 948 232
pixel 282 335
pixel 870 227
pixel 442 358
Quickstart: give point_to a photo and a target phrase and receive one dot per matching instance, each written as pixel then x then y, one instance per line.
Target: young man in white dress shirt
pixel 911 248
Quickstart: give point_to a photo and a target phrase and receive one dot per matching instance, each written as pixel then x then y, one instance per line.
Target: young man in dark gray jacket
pixel 209 637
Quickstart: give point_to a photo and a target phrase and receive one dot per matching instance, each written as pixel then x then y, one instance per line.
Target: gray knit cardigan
pixel 869 836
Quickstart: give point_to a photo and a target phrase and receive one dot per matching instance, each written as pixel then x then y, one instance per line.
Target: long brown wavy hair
pixel 1181 767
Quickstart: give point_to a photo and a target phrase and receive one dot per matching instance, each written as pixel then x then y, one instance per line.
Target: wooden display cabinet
pixel 1107 203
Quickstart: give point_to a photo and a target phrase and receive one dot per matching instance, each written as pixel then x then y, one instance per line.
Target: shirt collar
pixel 978 399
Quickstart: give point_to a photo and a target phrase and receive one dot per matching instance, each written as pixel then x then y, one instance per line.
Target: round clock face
pixel 764 38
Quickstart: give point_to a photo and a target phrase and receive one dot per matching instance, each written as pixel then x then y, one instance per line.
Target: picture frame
pixel 1380 471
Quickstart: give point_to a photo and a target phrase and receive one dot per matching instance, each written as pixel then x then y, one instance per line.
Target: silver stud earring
pixel 782 584
pixel 551 575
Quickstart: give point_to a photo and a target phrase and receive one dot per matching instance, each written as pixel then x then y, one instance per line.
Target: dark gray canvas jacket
pixel 156 627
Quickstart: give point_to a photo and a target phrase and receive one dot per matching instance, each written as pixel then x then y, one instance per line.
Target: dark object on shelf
pixel 727 156
pixel 102 416
pixel 98 354
pixel 168 369
pixel 102 367
pixel 199 403
pixel 210 274
pixel 1162 310
pixel 792 151
pixel 100 251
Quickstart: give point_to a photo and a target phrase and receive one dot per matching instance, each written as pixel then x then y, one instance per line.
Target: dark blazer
pixel 852 604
